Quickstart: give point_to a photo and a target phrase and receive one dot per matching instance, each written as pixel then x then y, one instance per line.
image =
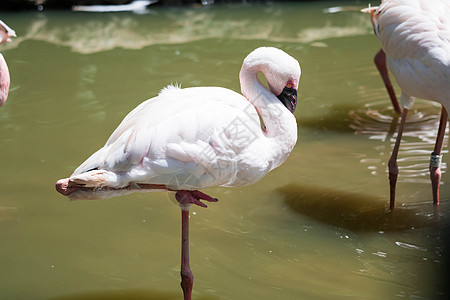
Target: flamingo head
pixel 283 79
pixel 281 71
pixel 6 33
pixel 289 97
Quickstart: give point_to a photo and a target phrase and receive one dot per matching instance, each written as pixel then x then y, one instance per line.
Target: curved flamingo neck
pixel 4 80
pixel 279 124
pixel 276 118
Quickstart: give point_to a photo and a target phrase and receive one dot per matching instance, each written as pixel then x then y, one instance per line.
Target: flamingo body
pixel 192 138
pixel 415 35
pixel 415 38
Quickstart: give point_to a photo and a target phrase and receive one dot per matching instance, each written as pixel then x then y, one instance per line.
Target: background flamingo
pixel 5 36
pixel 185 140
pixel 415 36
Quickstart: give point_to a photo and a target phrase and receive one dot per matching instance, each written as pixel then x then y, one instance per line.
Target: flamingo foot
pixel 185 198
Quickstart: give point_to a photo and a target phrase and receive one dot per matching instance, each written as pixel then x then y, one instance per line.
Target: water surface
pixel 316 228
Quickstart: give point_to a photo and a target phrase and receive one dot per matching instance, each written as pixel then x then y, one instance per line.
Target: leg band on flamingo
pixel 435 160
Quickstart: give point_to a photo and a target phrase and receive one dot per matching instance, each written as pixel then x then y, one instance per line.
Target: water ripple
pixel 378 122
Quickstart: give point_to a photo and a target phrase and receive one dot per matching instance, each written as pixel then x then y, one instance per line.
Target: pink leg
pixel 435 162
pixel 187 278
pixel 185 200
pixel 392 164
pixel 380 63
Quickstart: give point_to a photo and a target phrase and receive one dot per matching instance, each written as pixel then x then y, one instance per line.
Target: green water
pixel 315 228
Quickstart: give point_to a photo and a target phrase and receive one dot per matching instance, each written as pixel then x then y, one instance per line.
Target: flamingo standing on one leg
pixel 5 36
pixel 415 36
pixel 188 139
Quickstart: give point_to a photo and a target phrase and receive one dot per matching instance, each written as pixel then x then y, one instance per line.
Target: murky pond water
pixel 316 228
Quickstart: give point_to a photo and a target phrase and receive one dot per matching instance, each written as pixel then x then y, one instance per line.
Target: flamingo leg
pixel 187 278
pixel 185 200
pixel 392 164
pixel 436 155
pixel 380 63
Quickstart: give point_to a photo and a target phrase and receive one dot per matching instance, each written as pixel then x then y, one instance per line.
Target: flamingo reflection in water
pixel 415 42
pixel 188 139
pixel 5 36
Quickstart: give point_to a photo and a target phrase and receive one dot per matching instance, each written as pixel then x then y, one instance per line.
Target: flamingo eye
pixel 289 85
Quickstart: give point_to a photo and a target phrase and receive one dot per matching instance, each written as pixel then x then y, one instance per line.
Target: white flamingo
pixel 415 37
pixel 188 139
pixel 5 36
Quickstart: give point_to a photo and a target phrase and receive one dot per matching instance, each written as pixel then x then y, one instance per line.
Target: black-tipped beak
pixel 289 98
